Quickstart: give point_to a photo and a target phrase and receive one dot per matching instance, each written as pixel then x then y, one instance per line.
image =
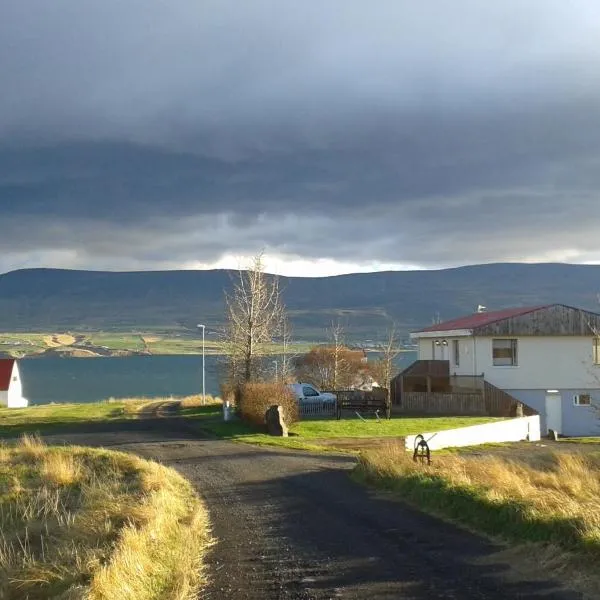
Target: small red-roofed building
pixel 11 387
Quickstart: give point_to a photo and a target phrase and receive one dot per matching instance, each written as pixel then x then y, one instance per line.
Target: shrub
pixel 255 398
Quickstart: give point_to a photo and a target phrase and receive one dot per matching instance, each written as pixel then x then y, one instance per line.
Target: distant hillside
pixel 61 300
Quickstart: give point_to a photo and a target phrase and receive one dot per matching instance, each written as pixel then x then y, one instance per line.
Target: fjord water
pixel 61 380
pixel 48 380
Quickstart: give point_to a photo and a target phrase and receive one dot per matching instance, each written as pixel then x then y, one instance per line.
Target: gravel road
pixel 292 525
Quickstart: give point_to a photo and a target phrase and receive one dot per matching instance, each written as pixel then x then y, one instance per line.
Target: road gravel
pixel 292 525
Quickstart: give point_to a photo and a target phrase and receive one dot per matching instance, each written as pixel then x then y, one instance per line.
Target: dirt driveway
pixel 292 525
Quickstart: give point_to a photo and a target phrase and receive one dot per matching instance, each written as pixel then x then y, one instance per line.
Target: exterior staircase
pixel 426 387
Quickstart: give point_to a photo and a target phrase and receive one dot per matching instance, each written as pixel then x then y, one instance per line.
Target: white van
pixel 306 392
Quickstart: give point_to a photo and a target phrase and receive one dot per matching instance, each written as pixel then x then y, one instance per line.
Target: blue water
pixel 48 380
pixel 91 379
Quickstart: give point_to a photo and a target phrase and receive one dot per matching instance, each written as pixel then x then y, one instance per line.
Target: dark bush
pixel 255 398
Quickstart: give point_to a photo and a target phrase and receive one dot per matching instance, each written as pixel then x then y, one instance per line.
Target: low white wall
pixel 510 430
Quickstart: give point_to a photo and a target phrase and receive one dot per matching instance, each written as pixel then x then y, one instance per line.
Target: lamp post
pixel 203 369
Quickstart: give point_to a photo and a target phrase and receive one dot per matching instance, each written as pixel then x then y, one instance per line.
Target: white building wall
pixel 425 349
pixel 14 396
pixel 467 363
pixel 544 362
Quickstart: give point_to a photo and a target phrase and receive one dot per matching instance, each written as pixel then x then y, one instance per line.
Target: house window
pixel 456 352
pixel 15 378
pixel 596 350
pixel 504 353
pixel 582 400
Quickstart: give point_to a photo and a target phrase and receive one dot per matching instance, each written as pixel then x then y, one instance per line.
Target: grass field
pixel 90 523
pixel 551 501
pixel 29 344
pixel 311 434
pixel 46 416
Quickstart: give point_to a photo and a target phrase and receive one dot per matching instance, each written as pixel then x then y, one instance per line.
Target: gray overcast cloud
pixel 140 134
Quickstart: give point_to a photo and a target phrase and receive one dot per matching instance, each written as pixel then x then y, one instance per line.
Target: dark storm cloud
pixel 136 134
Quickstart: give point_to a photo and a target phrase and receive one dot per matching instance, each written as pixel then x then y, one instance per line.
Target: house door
pixel 553 412
pixel 440 350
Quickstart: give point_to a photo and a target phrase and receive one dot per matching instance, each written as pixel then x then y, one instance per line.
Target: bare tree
pixel 336 334
pixel 383 368
pixel 318 366
pixel 286 372
pixel 254 318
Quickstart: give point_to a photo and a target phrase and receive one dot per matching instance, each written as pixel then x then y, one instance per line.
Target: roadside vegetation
pixel 91 524
pixel 551 500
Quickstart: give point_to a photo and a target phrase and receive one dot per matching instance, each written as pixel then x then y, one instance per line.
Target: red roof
pixel 481 319
pixel 6 369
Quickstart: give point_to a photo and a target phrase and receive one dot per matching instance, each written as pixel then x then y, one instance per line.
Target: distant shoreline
pixel 40 345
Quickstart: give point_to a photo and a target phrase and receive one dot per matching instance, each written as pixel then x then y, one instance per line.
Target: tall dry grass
pixel 96 525
pixel 552 498
pixel 198 400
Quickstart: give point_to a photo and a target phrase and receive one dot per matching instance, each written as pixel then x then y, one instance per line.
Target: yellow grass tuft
pixel 128 529
pixel 32 446
pixel 61 468
pixel 197 400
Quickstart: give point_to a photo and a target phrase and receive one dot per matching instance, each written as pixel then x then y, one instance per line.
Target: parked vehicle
pixel 306 392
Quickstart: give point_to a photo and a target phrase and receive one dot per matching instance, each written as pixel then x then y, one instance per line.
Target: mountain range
pixel 365 303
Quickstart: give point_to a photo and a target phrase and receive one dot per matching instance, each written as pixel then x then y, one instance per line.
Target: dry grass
pixel 551 499
pixel 58 340
pixel 96 525
pixel 197 400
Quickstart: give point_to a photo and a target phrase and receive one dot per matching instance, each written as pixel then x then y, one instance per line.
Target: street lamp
pixel 203 369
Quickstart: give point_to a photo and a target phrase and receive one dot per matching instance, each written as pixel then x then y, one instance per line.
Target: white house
pixel 11 388
pixel 548 357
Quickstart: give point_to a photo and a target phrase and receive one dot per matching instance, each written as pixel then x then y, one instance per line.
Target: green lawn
pixel 394 427
pixel 308 434
pixel 18 420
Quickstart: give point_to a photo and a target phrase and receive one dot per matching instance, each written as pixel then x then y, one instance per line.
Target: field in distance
pixel 100 343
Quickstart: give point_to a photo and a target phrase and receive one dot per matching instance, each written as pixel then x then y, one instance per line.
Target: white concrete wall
pixel 509 430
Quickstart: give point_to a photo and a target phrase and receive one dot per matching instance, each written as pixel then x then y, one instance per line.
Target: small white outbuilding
pixel 11 387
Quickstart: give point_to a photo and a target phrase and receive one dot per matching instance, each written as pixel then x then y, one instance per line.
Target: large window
pixel 596 350
pixel 504 353
pixel 456 352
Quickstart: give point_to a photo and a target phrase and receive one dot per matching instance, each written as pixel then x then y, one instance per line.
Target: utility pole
pixel 203 367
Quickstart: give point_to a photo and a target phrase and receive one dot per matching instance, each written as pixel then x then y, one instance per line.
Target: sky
pixel 335 136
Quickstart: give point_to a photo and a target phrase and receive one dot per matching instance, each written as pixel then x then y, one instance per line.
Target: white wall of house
pixel 425 349
pixel 543 362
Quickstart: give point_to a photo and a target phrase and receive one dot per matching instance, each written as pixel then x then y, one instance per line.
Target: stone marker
pixel 275 423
